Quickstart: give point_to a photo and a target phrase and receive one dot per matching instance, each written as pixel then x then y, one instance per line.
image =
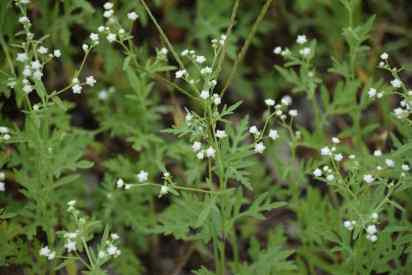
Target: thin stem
pixel 247 44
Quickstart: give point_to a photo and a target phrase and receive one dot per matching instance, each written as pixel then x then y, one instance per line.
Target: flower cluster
pixel 4 133
pixel 2 184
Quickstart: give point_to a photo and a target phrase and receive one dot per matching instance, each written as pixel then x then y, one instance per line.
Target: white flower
pixel 90 81
pixel 2 176
pixel 108 5
pixel 277 50
pixel 372 92
pixel 36 65
pixel 85 47
pixel 301 39
pixel 216 99
pixel 384 56
pixel 368 178
pixel 305 51
pixel 111 37
pixel 372 238
pixel 196 146
pixel 132 16
pixel 377 153
pixel 371 229
pixel 260 147
pixel 27 71
pixel 101 254
pixel 389 162
pixel 163 190
pixel 348 225
pixel 206 70
pixel 188 117
pixel 181 73
pixel 200 155
pixel 221 134
pixel 24 20
pixel 120 183
pixel 396 83
pixel 37 75
pixel 204 94
pixel 2 186
pixel 325 151
pixel 21 57
pixel 210 152
pixel 43 50
pixel 57 53
pixel 405 167
pixel 374 216
pixel 77 89
pixel 28 89
pixel 45 251
pixel 317 172
pixel 273 134
pixel 286 100
pixel 269 102
pixel 142 176
pixel 338 157
pixel 184 52
pixel 254 130
pixel 71 203
pixel 100 29
pixel 200 59
pixel 70 246
pixel 103 95
pixel 330 177
pixel 113 250
pixel 335 140
pixel 293 113
pixel 114 236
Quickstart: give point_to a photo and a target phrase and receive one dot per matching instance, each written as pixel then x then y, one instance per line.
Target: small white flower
pixel 221 134
pixel 335 140
pixel 301 39
pixel 371 229
pixel 305 51
pixel 2 176
pixel 348 225
pixel 352 156
pixel 85 47
pixel 114 236
pixel 103 95
pixel 108 5
pixel 196 146
pixel 142 176
pixel 216 99
pixel 384 56
pixel 100 29
pixel 260 147
pixel 374 216
pixel 200 154
pixel 101 254
pixel 372 92
pixel 24 20
pixel 77 89
pixel 330 177
pixel 184 52
pixel 120 183
pixel 204 94
pixel 27 71
pixel 112 250
pixel 200 59
pixel 2 186
pixel 389 162
pixel 377 153
pixel 368 178
pixel 286 100
pixel 405 167
pixel 317 172
pixel 94 37
pixel 396 83
pixel 163 190
pixel 57 53
pixel 108 13
pixel 206 70
pixel 28 89
pixel 90 81
pixel 22 57
pixel 210 152
pixel 37 75
pixel 132 16
pixel 277 50
pixel 43 50
pixel 325 151
pixel 70 246
pixel 372 238
pixel 188 117
pixel 254 130
pixel 293 113
pixel 71 203
pixel 269 102
pixel 111 37
pixel 338 157
pixel 181 73
pixel 273 134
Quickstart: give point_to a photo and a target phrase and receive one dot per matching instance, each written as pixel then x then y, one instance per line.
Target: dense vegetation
pixel 205 137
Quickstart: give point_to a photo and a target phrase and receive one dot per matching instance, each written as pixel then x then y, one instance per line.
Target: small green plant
pixel 175 156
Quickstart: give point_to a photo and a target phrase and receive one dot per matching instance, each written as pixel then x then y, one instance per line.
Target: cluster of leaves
pixel 159 151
